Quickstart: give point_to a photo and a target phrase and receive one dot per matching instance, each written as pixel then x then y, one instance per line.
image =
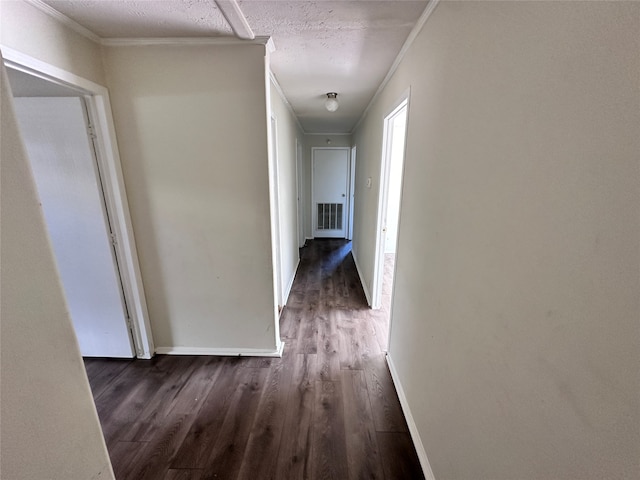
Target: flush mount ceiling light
pixel 331 103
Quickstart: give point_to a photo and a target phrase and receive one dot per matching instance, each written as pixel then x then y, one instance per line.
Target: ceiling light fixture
pixel 331 103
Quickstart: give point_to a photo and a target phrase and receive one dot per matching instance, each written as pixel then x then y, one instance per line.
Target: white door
pixel 330 189
pixel 63 161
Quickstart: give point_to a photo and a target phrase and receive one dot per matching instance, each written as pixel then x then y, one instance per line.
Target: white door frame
pixel 385 165
pixel 108 159
pixel 351 192
pixel 273 147
pixel 314 211
pixel 300 193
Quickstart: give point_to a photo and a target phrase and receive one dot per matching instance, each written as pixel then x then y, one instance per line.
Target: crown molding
pixel 403 51
pixel 276 84
pixel 66 21
pixel 182 41
pixel 235 18
pixel 127 42
pixel 271 47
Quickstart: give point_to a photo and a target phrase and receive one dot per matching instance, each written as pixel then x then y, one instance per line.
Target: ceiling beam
pixel 236 19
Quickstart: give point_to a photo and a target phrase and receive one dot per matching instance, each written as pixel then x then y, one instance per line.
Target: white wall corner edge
pixel 223 352
pixel 362 282
pixel 413 428
pixel 287 291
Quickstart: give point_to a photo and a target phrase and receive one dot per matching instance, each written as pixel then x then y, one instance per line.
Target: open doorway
pixel 62 158
pixel 391 173
pixel 86 106
pixel 275 205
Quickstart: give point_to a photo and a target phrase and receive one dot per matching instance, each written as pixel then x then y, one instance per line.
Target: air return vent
pixel 330 216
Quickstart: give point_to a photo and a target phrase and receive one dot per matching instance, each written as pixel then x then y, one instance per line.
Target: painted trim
pixel 431 6
pixel 411 423
pixel 234 16
pixel 275 209
pixel 352 190
pixel 222 352
pixel 362 282
pixel 278 88
pixel 183 41
pixel 271 47
pixel 110 167
pixel 25 63
pixel 300 199
pixel 62 18
pixel 123 42
pixel 274 222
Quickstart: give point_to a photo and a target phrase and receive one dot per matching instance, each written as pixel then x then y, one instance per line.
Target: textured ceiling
pixel 145 18
pixel 321 46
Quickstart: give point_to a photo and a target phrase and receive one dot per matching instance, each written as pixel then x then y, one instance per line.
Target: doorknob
pixel 343 195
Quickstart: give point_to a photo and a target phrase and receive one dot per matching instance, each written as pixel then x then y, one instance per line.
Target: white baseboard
pixel 222 352
pixel 413 428
pixel 364 285
pixel 287 291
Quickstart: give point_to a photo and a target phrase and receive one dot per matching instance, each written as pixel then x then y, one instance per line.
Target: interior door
pixel 330 189
pixel 63 162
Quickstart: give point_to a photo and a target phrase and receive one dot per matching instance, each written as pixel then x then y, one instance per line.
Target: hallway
pixel 327 409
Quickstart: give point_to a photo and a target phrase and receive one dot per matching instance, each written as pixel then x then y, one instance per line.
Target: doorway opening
pixel 63 163
pixel 391 174
pixel 275 201
pixel 300 193
pixel 88 104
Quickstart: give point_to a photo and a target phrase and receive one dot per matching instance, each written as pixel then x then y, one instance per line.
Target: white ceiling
pixel 344 46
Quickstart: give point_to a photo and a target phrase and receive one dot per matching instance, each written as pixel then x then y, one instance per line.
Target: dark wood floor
pixel 326 410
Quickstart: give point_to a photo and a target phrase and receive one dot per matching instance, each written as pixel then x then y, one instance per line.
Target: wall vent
pixel 330 216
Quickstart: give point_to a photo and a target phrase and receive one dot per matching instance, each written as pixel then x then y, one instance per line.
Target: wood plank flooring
pixel 326 410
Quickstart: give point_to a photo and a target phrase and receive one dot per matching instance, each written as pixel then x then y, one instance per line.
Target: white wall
pixel 34 33
pixel 287 132
pixel 515 321
pixel 316 140
pixel 50 427
pixel 191 125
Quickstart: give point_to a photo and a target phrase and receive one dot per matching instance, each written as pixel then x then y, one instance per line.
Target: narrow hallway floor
pixel 326 410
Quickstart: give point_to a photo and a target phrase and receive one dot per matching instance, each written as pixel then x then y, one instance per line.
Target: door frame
pixel 385 165
pixel 300 193
pixel 108 160
pixel 277 234
pixel 352 191
pixel 314 211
